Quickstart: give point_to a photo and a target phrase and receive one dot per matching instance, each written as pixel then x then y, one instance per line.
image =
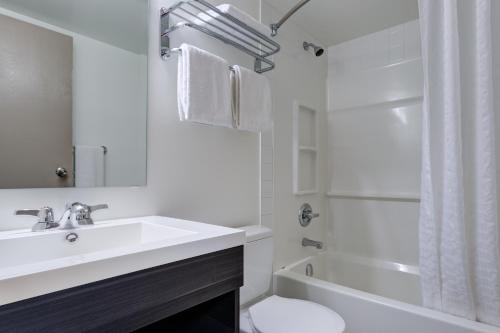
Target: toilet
pixel 275 314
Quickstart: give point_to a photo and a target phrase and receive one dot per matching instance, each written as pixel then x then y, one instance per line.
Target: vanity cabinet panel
pixel 133 301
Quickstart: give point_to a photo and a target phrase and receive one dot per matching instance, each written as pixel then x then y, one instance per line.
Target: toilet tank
pixel 258 262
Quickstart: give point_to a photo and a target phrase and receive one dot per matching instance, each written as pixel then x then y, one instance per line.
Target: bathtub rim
pixel 381 300
pixel 357 259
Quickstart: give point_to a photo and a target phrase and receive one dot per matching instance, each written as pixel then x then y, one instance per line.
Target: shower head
pixel 318 51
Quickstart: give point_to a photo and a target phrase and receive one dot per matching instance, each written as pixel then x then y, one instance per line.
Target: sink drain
pixel 71 237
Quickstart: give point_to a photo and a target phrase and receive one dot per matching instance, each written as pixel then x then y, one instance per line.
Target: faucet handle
pixel 306 215
pixel 45 217
pixel 45 214
pixel 32 212
pixel 82 212
pixel 97 207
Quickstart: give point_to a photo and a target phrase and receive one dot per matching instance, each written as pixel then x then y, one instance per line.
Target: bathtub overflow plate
pixel 309 270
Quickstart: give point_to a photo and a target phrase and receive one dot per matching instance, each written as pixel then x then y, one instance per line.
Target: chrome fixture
pixel 205 17
pixel 318 50
pixel 275 26
pixel 61 172
pixel 83 212
pixel 306 214
pixel 310 242
pixel 75 214
pixel 78 214
pixel 178 50
pixel 72 237
pixel 309 270
pixel 45 218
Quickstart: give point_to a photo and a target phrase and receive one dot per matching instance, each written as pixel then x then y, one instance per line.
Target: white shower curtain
pixel 459 227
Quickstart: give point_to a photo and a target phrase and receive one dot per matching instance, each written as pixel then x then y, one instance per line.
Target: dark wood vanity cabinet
pixel 199 294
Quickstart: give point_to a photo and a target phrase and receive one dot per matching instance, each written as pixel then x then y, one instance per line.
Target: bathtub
pixel 371 296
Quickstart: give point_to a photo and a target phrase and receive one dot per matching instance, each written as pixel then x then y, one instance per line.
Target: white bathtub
pixel 371 296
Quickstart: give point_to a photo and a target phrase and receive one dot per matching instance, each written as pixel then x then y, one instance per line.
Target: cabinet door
pixel 35 106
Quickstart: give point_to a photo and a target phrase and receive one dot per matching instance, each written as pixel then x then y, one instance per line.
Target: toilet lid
pixel 277 314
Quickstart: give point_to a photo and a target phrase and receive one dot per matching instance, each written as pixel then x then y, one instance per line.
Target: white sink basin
pixel 36 263
pixel 34 247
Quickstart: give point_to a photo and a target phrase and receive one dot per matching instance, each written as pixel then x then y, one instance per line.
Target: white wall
pixel 110 107
pixel 374 132
pixel 195 172
pixel 301 76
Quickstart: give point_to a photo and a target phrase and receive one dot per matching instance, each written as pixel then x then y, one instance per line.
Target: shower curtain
pixel 459 226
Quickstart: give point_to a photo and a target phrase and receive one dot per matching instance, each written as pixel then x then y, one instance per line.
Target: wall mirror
pixel 73 93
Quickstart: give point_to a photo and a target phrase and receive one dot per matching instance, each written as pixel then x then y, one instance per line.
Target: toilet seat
pixel 277 314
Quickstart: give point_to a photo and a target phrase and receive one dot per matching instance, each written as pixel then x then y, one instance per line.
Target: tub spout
pixel 310 242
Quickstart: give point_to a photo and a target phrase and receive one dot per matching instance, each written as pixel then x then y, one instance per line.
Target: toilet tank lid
pixel 256 232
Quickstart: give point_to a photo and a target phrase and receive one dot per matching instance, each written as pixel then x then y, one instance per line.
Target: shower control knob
pixel 306 214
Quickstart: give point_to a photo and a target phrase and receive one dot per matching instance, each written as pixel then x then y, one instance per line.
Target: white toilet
pixel 276 314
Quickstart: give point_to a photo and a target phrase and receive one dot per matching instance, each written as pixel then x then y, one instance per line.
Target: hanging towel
pixel 203 88
pixel 89 166
pixel 252 104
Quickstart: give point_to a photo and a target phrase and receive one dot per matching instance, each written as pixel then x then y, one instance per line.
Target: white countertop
pixel 43 272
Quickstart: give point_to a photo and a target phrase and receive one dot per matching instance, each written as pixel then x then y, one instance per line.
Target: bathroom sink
pixel 36 263
pixel 34 247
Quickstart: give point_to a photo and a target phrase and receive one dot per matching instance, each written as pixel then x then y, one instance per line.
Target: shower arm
pixel 276 26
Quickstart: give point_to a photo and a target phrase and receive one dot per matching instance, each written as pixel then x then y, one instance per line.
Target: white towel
pixel 203 88
pixel 236 13
pixel 252 105
pixel 89 166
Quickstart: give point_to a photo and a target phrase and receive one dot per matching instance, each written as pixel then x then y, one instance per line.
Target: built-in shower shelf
pixel 206 18
pixel 305 150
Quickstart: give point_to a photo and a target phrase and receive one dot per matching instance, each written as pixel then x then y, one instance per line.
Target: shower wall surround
pixel 194 172
pixel 374 126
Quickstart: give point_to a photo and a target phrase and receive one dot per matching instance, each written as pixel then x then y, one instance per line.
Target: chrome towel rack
pixel 203 16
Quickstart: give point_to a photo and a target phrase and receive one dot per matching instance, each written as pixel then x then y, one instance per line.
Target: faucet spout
pixel 310 242
pixel 66 222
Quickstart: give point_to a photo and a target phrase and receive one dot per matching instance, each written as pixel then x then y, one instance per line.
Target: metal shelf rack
pixel 203 16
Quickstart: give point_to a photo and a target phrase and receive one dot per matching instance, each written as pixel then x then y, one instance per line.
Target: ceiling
pixel 336 21
pixel 122 23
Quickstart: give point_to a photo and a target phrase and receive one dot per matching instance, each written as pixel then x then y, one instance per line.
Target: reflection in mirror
pixel 73 93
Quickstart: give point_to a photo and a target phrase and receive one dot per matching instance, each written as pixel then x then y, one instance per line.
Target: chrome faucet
pixel 310 242
pixel 76 214
pixel 81 214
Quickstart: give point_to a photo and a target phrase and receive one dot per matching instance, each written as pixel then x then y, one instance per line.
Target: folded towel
pixel 252 105
pixel 237 13
pixel 89 166
pixel 244 17
pixel 203 88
